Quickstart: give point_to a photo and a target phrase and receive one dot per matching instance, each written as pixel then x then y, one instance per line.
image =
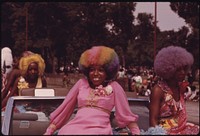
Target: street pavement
pixel 192 109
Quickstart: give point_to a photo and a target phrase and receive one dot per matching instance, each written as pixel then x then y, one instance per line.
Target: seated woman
pixel 167 103
pixel 95 95
pixel 12 76
pixel 32 70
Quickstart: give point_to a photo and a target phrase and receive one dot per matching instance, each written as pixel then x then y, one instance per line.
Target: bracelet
pixel 52 126
pixel 49 131
pixel 135 131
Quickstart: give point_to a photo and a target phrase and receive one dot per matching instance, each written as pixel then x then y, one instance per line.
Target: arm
pixel 11 77
pixel 124 115
pixel 12 92
pixel 155 100
pixel 64 111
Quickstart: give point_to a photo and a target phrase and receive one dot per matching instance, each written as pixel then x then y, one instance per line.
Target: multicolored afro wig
pixel 169 59
pixel 100 55
pixel 25 61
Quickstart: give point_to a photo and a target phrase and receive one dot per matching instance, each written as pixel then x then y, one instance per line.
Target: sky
pixel 166 18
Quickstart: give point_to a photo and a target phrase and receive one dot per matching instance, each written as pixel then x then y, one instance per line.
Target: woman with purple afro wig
pixel 169 59
pixel 95 97
pixel 167 103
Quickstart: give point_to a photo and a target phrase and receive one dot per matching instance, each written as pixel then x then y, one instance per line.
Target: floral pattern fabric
pixel 173 116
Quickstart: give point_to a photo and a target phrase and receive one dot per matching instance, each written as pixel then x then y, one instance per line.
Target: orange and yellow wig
pixel 27 60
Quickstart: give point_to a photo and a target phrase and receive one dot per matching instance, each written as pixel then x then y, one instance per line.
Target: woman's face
pixel 33 70
pixel 97 75
pixel 181 73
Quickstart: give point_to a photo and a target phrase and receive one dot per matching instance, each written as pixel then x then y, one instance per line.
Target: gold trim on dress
pixel 99 108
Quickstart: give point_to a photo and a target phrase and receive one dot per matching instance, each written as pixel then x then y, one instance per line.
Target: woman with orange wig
pixel 31 69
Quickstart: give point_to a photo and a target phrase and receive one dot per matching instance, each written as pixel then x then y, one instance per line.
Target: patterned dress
pixel 173 116
pixel 94 108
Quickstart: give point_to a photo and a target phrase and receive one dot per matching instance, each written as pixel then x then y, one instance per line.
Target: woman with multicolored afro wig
pixel 167 103
pixel 95 97
pixel 100 55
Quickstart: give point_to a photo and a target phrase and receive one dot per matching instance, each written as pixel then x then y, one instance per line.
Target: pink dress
pixel 173 116
pixel 93 115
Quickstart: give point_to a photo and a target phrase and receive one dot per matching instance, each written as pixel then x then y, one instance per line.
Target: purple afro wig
pixel 100 55
pixel 169 59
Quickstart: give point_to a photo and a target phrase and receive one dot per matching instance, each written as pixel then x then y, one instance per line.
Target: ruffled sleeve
pixel 65 110
pixel 123 114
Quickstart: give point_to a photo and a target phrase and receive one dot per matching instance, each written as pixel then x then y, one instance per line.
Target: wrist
pixel 50 130
pixel 135 130
pixel 52 126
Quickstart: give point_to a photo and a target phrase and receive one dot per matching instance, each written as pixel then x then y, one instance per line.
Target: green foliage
pixel 65 29
pixel 190 12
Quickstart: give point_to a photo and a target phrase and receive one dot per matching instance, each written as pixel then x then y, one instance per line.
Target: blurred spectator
pixel 6 67
pixel 121 73
pixel 194 93
pixel 6 60
pixel 190 78
pixel 147 92
pixel 188 93
pixel 138 80
pixel 66 80
pixel 133 86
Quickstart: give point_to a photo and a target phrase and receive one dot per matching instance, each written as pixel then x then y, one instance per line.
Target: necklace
pixel 99 91
pixel 92 98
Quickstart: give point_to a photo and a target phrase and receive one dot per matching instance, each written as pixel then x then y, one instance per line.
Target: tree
pixel 66 29
pixel 190 12
pixel 142 45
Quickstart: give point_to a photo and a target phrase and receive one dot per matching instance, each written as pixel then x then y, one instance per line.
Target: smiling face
pixel 97 75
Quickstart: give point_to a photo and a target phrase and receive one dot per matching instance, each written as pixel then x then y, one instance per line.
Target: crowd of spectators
pixel 141 79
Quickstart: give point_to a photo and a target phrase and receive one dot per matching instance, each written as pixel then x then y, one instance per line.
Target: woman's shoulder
pixel 82 81
pixel 158 88
pixel 157 93
pixel 116 85
pixel 162 86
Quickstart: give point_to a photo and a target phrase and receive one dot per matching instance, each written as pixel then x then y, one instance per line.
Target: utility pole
pixel 26 44
pixel 155 22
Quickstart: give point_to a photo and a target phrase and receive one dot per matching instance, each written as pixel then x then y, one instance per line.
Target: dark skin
pixel 12 76
pixel 31 77
pixel 157 95
pixel 97 76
